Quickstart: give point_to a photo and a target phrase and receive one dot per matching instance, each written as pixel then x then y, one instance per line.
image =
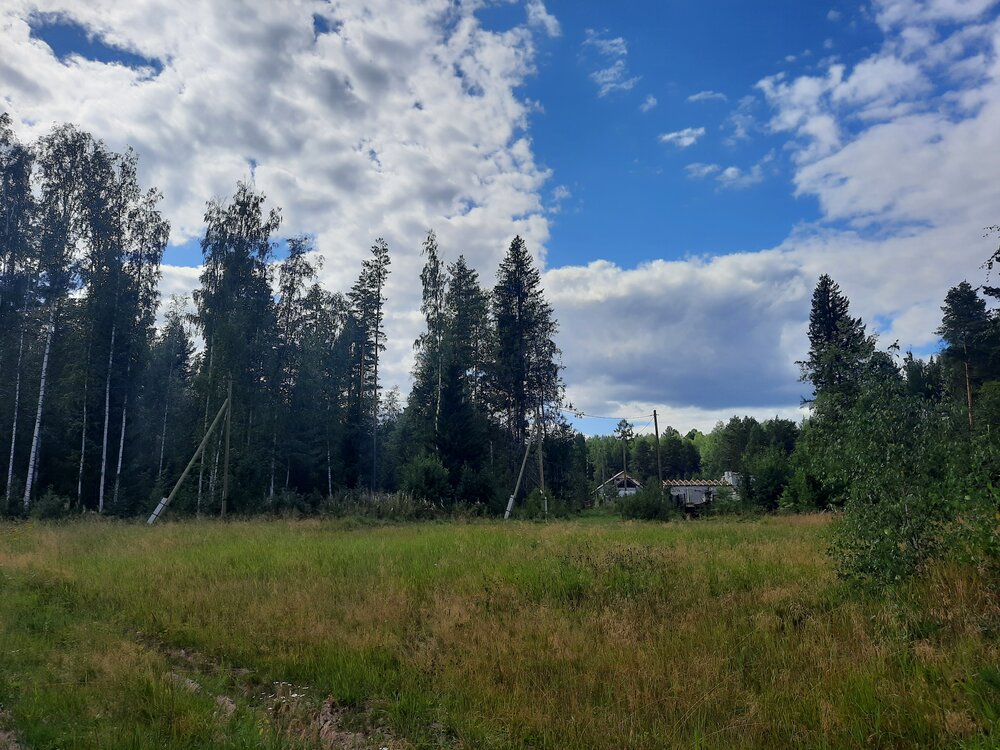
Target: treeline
pixel 908 448
pixel 100 410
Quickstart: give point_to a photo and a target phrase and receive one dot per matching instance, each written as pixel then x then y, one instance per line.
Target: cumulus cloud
pixel 539 16
pixel 683 138
pixel 648 103
pixel 364 119
pixel 708 96
pixel 705 337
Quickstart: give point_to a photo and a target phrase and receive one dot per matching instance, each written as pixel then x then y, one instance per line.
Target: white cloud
pixel 403 117
pixel 732 177
pixel 613 47
pixel 710 336
pixel 683 138
pixel 539 16
pixel 613 78
pixel 699 170
pixel 904 12
pixel 741 121
pixel 833 15
pixel 616 76
pixel 708 96
pixel 648 103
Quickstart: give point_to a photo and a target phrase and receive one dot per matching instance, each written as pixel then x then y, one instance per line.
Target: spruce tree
pixel 838 345
pixel 525 378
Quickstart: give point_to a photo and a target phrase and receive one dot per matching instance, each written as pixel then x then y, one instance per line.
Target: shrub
pixel 726 503
pixel 426 478
pixel 50 506
pixel 648 504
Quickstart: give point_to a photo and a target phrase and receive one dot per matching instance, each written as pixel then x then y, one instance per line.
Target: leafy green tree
pixel 236 314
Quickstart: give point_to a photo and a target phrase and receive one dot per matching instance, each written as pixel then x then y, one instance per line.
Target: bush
pixel 916 486
pixel 384 506
pixel 726 503
pixel 49 507
pixel 534 506
pixel 426 478
pixel 648 504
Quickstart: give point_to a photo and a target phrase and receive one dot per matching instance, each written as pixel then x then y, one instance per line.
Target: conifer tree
pixel 838 346
pixel 525 376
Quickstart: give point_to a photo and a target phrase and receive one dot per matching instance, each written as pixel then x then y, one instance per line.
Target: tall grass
pixel 708 634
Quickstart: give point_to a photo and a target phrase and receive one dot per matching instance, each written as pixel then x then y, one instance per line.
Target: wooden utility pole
pixel 187 469
pixel 968 383
pixel 659 464
pixel 541 460
pixel 520 475
pixel 229 423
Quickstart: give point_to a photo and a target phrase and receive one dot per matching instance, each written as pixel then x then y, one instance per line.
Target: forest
pixel 101 408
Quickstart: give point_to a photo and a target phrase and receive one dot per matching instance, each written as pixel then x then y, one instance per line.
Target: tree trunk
pixel 13 427
pixel 107 416
pixel 121 439
pixel 208 396
pixel 83 443
pixel 163 429
pixel 36 436
pixel 274 448
pixel 329 472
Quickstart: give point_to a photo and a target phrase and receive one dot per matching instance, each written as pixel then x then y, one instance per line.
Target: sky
pixel 682 172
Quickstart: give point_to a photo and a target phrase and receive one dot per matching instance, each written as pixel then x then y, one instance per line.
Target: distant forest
pixel 101 410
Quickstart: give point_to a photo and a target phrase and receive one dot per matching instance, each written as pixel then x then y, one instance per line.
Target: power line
pixel 581 415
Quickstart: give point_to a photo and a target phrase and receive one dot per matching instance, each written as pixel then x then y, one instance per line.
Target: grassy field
pixel 582 634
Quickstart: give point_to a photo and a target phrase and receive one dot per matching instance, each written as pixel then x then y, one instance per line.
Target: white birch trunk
pixel 83 445
pixel 83 431
pixel 208 396
pixel 107 415
pixel 13 426
pixel 121 447
pixel 36 435
pixel 166 408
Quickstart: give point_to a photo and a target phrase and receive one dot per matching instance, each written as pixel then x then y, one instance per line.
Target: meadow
pixel 590 633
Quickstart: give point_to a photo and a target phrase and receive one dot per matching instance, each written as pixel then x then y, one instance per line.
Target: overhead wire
pixel 582 415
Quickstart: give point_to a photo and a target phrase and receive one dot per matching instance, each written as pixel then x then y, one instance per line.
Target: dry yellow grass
pixel 578 635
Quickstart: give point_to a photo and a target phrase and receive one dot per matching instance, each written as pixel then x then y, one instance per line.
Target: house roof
pixel 621 476
pixel 696 483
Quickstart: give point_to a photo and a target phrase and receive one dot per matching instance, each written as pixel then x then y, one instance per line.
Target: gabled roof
pixel 621 476
pixel 696 483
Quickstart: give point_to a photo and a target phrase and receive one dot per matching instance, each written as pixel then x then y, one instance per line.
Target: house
pixel 621 484
pixel 693 494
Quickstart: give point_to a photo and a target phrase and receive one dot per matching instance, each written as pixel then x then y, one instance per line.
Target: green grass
pixel 708 634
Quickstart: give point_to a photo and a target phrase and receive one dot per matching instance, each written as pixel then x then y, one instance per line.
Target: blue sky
pixel 683 171
pixel 631 197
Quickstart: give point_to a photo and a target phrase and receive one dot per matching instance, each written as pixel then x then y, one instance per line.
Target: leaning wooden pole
pixel 520 476
pixel 187 469
pixel 225 471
